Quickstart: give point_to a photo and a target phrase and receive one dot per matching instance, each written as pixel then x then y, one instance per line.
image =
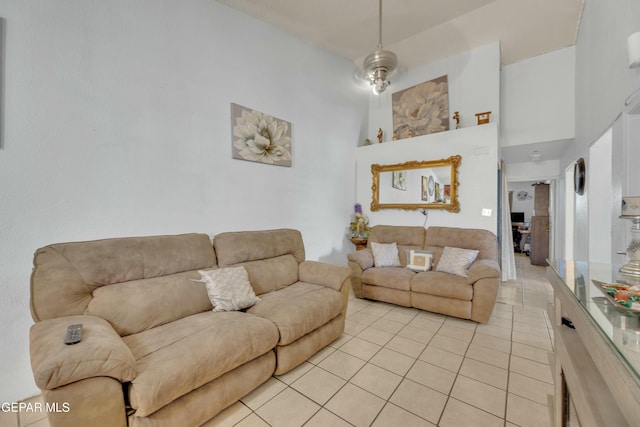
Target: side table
pixel 360 244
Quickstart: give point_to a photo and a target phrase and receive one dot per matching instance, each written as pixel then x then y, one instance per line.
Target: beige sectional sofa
pixel 153 353
pixel 471 297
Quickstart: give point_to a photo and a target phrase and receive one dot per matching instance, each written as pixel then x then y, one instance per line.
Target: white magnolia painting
pixel 259 137
pixel 421 109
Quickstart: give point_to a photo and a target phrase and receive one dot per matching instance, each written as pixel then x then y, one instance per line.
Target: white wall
pixel 538 106
pixel 117 123
pixel 600 208
pixel 474 87
pixel 533 171
pixel 603 82
pixel 477 176
pixel 538 96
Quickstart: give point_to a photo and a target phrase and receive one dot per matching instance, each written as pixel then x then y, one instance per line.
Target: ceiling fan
pixel 379 65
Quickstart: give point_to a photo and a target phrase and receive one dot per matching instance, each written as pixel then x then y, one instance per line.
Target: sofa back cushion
pixel 483 241
pixel 407 237
pixel 135 283
pixel 271 257
pixel 138 305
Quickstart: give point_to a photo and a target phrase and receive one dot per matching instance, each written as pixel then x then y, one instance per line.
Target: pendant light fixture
pixel 380 64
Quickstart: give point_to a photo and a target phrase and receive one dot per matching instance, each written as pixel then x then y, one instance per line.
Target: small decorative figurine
pixel 483 117
pixel 367 141
pixel 410 133
pixel 380 135
pixel 395 136
pixel 456 117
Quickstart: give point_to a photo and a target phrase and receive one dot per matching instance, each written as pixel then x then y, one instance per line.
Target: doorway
pixel 522 195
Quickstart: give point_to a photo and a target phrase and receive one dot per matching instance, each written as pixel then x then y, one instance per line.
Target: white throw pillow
pixel 229 288
pixel 456 261
pixel 385 254
pixel 419 260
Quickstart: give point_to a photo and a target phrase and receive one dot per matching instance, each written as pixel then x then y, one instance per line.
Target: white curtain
pixel 507 258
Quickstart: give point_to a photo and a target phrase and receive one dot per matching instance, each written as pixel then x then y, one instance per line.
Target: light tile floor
pixel 401 366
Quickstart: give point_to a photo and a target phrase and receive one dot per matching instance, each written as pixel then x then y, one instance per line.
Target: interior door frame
pixel 600 201
pixel 569 212
pixel 553 211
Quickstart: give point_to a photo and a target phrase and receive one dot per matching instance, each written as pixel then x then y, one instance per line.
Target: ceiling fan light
pixel 381 63
pixel 380 86
pixel 377 66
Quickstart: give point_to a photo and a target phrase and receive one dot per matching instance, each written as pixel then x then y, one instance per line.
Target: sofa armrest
pixel 320 273
pixel 483 269
pixel 101 353
pixel 363 258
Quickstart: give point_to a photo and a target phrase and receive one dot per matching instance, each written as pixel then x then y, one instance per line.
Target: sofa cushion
pixel 299 309
pixel 320 273
pixel 483 269
pixel 101 353
pixel 363 258
pixel 406 237
pixel 271 274
pixel 229 288
pixel 385 254
pixel 442 284
pixel 456 261
pixel 388 277
pixel 242 246
pixel 178 357
pixel 468 238
pixel 138 305
pixel 401 234
pixel 419 260
pixel 77 269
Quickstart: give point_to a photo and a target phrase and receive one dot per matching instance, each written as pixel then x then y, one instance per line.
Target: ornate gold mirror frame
pixel 416 185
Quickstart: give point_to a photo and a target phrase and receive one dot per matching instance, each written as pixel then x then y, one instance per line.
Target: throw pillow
pixel 418 260
pixel 456 261
pixel 385 254
pixel 229 288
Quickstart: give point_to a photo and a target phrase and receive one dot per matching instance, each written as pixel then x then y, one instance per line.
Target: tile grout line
pixel 404 377
pixel 457 375
pixel 506 396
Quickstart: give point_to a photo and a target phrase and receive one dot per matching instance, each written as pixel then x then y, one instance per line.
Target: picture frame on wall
pixel 425 189
pixel 421 109
pixel 259 137
pixel 399 180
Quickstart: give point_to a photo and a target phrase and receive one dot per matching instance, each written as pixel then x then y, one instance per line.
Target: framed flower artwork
pixel 421 109
pixel 259 137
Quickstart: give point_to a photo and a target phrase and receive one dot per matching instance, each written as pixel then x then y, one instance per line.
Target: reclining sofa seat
pixel 298 296
pixel 471 297
pixel 153 353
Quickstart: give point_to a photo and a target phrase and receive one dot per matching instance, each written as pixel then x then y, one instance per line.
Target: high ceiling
pixel 423 31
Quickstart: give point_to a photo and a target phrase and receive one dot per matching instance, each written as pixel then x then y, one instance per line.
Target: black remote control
pixel 74 334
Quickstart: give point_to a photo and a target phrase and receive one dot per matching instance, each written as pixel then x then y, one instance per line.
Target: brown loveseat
pixel 472 297
pixel 153 353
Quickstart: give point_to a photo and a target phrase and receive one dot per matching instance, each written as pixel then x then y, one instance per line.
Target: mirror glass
pixel 414 185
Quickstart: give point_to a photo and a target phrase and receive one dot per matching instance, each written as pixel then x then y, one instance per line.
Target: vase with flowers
pixel 359 229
